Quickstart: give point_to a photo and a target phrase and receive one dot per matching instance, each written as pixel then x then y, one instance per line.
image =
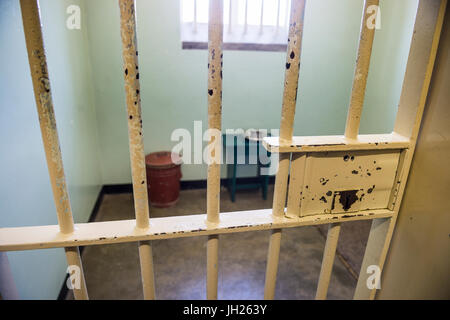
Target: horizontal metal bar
pixel 338 143
pixel 121 231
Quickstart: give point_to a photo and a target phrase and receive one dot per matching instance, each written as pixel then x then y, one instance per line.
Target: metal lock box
pixel 339 182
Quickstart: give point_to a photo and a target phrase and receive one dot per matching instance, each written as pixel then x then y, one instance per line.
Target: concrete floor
pixel 112 271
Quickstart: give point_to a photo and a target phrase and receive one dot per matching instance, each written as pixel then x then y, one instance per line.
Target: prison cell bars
pixel 423 49
pixel 43 96
pixel 367 34
pixel 286 129
pixel 136 138
pixel 428 24
pixel 215 40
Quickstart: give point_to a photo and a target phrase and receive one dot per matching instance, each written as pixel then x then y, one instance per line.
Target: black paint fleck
pixel 348 198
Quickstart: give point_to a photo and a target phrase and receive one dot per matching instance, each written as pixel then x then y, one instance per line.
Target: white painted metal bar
pixel 230 16
pixel 366 37
pixel 424 45
pixel 273 256
pixel 286 130
pixel 286 15
pixel 212 270
pixel 246 17
pixel 292 70
pixel 261 21
pixel 215 41
pixel 122 231
pixel 328 260
pixel 43 97
pixel 195 17
pixel 297 175
pixel 73 258
pixel 278 16
pixel 135 138
pixel 147 273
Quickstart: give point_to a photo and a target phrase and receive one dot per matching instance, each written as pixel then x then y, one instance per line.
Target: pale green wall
pixel 173 81
pixel 25 193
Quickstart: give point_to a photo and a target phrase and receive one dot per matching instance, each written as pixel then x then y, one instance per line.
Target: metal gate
pixel 333 179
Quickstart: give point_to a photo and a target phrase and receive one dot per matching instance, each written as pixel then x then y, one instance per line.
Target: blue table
pixel 242 148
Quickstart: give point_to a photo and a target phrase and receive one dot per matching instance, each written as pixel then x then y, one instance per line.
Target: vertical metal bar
pixel 195 16
pixel 8 289
pixel 297 174
pixel 292 69
pixel 281 184
pixel 230 16
pixel 44 103
pixel 273 255
pixel 147 273
pixel 286 16
pixel 261 18
pixel 278 16
pixel 286 130
pixel 133 100
pixel 366 37
pixel 73 258
pixel 135 137
pixel 212 270
pixel 328 260
pixel 246 17
pixel 215 41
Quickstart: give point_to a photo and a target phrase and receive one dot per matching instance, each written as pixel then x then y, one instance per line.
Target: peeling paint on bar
pixel 361 72
pixel 44 103
pixel 39 237
pixel 133 100
pixel 293 56
pixel 215 62
pixel 215 37
pixel 136 138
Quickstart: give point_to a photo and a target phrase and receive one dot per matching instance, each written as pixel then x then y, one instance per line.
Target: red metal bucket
pixel 163 178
